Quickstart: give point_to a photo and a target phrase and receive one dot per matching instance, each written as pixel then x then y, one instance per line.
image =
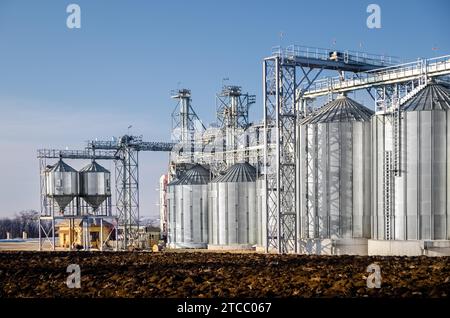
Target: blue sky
pixel 61 87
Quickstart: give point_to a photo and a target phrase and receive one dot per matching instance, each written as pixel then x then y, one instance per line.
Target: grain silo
pixel 261 212
pixel 61 184
pixel 95 184
pixel 232 209
pixel 334 179
pixel 187 204
pixel 410 210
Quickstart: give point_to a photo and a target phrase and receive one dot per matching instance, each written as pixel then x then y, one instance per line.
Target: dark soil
pixel 169 274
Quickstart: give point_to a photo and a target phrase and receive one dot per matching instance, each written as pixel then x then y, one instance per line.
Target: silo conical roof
pixel 240 172
pixel 342 109
pixel 431 97
pixel 94 167
pixel 173 182
pixel 61 166
pixel 196 175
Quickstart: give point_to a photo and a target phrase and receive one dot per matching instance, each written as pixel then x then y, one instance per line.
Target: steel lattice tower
pixel 280 124
pixel 287 75
pixel 185 122
pixel 232 108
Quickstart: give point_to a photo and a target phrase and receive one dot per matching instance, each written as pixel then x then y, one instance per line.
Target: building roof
pixel 431 97
pixel 342 109
pixel 240 172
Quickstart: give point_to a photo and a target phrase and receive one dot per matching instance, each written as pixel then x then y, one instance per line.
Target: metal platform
pixel 432 67
pixel 334 59
pixel 76 154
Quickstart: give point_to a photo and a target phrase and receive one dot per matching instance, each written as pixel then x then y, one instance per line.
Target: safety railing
pixel 430 67
pixel 346 56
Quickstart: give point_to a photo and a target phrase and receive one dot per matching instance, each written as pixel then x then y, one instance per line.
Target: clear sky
pixel 60 87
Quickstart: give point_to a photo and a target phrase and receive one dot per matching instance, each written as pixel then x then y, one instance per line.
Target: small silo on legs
pixel 95 185
pixel 61 184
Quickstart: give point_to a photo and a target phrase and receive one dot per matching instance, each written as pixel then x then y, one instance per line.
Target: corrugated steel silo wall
pixel 334 179
pixel 421 191
pixel 62 183
pixel 171 220
pixel 261 212
pixel 233 213
pixel 188 215
pixel 95 183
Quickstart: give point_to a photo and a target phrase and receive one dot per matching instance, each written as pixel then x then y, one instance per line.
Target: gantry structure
pixel 232 107
pixel 292 78
pixel 291 81
pixel 186 129
pixel 389 87
pixel 232 138
pixel 124 152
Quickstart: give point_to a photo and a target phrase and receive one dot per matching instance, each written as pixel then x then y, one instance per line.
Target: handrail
pixel 293 51
pixel 425 66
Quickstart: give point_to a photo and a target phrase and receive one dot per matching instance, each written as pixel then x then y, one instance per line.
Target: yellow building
pixel 73 234
pixel 153 234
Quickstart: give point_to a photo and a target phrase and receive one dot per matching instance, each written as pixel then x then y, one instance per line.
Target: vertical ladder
pixel 388 189
pixel 396 136
pixel 330 89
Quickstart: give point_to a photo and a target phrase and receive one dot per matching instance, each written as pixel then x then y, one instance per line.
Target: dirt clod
pixel 195 274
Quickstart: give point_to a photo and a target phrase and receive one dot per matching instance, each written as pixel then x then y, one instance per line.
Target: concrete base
pixel 437 248
pixel 316 246
pixel 357 246
pixel 409 248
pixel 187 245
pixel 260 249
pixel 234 247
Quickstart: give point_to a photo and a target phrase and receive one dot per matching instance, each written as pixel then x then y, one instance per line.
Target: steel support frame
pixel 74 210
pixel 184 120
pixel 280 123
pixel 124 152
pixel 232 107
pixel 184 117
pixel 127 194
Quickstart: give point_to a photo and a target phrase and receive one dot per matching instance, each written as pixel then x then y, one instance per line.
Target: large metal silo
pixel 233 208
pixel 61 184
pixel 95 184
pixel 187 204
pixel 410 167
pixel 261 212
pixel 171 212
pixel 334 179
